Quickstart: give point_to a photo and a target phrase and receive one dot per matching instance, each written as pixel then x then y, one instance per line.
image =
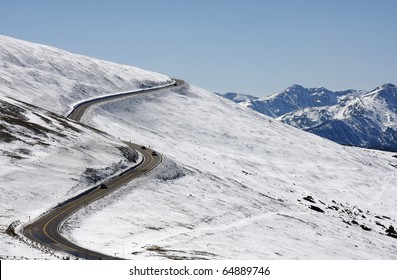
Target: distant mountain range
pixel 350 117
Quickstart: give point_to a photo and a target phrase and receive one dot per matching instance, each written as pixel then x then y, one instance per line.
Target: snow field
pixel 241 196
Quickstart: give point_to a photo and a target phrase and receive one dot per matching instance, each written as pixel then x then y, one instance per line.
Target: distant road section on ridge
pixel 79 109
pixel 45 229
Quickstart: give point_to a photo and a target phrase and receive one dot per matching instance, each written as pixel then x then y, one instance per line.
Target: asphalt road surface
pixel 79 109
pixel 45 230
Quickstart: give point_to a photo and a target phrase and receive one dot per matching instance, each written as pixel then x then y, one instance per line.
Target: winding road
pixel 45 230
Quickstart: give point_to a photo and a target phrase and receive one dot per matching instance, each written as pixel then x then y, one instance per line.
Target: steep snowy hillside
pixel 45 159
pixel 367 120
pixel 237 184
pixel 234 184
pixel 55 79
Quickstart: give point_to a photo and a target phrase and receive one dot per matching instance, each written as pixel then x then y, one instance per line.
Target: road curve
pixel 79 110
pixel 45 230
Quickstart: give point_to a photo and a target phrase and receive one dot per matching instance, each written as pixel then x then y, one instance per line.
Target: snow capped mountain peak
pixel 388 92
pixel 360 118
pixel 296 92
pixel 293 98
pixel 387 86
pixel 295 88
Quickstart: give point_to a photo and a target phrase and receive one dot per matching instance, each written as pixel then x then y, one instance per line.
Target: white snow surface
pixel 46 159
pixel 55 79
pixel 232 187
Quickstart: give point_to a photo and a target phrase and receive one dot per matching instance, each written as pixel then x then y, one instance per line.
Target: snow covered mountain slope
pixel 55 79
pixel 46 159
pixel 357 118
pixel 238 97
pixel 366 120
pixel 239 185
pixel 293 98
pixel 235 184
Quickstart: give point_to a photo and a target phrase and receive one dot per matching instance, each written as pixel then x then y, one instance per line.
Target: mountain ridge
pixel 351 117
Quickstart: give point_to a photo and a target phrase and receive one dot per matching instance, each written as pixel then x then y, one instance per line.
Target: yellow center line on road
pixel 95 195
pixel 148 163
pixel 87 200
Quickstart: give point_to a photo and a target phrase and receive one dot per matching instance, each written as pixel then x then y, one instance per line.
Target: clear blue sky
pixel 254 46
